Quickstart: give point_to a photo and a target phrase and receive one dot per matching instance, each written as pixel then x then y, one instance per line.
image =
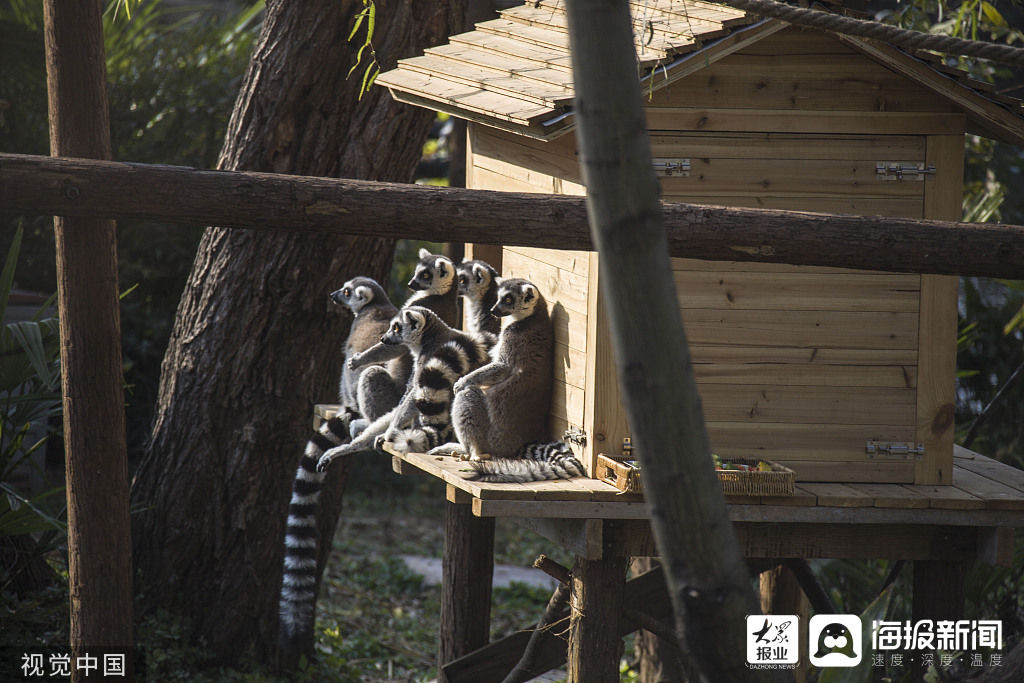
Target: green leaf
pixel 863 672
pixel 359 59
pixel 368 78
pixel 7 275
pixel 992 14
pixel 1015 323
pixel 372 9
pixel 357 23
pixel 25 516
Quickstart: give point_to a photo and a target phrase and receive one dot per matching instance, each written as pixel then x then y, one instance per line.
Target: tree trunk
pixel 706 575
pixel 255 343
pixel 99 542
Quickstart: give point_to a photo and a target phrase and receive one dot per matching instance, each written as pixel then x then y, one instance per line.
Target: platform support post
pixel 938 589
pixel 595 641
pixel 467 571
pixel 781 594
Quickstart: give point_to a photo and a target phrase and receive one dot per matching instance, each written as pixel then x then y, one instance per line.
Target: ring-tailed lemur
pixel 370 390
pixel 434 287
pixel 441 356
pixel 502 428
pixel 478 286
pixel 373 311
pixel 368 395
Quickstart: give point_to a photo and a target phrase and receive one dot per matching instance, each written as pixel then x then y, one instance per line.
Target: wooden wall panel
pixel 799 442
pixel 892 292
pixel 797 70
pixel 802 329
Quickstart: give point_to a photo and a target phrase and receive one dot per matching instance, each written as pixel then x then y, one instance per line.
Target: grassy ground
pixel 378 621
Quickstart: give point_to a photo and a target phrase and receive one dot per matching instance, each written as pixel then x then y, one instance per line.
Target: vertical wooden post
pixel 595 643
pixel 938 590
pixel 781 594
pixel 99 540
pixel 467 570
pixel 936 363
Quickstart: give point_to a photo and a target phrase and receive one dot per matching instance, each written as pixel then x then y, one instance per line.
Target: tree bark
pixel 99 538
pixel 706 574
pixel 78 187
pixel 255 343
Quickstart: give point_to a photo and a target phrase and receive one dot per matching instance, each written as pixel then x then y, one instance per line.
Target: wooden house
pixel 843 375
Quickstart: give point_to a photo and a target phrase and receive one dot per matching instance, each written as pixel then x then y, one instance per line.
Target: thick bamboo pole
pixel 706 574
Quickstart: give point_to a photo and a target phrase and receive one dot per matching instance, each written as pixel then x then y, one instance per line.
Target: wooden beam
pixel 99 534
pixel 34 185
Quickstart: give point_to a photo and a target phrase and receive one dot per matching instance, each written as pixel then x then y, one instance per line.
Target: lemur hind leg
pixel 471 420
pixel 377 392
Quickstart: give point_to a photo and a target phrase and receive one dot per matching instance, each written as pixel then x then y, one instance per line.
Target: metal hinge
pixel 672 167
pixel 895 449
pixel 903 170
pixel 575 435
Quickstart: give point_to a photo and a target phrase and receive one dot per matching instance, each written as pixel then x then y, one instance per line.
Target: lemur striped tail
pixel 301 539
pixel 536 461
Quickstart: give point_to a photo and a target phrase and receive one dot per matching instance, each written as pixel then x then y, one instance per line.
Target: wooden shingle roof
pixel 515 72
pixel 516 69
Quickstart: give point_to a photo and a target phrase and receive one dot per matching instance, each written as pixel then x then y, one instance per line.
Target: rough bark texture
pixel 707 577
pixel 99 540
pixel 255 343
pixel 76 187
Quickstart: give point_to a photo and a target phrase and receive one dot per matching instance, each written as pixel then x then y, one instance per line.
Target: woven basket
pixel 780 481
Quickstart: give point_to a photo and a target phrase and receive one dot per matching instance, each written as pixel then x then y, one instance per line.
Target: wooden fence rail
pixel 35 185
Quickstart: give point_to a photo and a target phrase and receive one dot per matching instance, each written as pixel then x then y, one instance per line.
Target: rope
pixel 914 40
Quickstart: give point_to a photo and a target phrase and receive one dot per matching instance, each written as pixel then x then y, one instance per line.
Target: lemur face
pixel 406 327
pixel 354 294
pixel 433 273
pixel 473 279
pixel 516 298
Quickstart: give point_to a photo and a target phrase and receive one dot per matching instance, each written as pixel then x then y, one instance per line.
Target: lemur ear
pixel 530 292
pixel 365 293
pixel 424 253
pixel 413 319
pixel 443 265
pixel 479 271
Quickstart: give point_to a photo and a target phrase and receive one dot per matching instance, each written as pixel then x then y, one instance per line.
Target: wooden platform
pixel 972 519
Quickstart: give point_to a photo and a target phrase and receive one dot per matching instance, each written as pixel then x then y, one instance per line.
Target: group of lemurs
pixel 411 378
